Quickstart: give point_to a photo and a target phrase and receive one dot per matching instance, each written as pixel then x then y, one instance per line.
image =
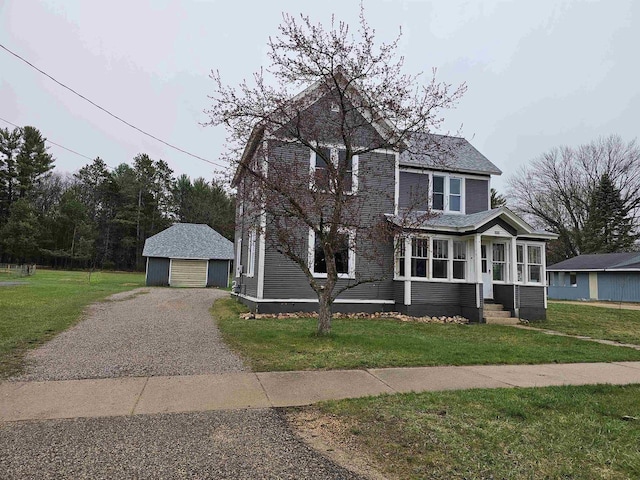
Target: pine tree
pixel 609 226
pixel 32 162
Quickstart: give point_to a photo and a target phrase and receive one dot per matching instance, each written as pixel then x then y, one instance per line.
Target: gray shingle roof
pixel 188 240
pixel 600 261
pixel 465 223
pixel 443 152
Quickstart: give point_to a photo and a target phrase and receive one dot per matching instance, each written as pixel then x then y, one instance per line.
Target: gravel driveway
pixel 144 332
pixel 241 444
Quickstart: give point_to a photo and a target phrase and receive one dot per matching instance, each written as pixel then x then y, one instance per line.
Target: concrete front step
pixel 493 306
pixel 501 321
pixel 496 313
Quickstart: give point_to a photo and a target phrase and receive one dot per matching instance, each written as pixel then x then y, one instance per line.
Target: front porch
pixel 453 271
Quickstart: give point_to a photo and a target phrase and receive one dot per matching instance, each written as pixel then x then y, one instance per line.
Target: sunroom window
pixel 419 257
pixel 440 258
pixel 534 257
pixel 459 260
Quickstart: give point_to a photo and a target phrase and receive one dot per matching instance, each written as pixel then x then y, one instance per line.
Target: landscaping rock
pixel 359 315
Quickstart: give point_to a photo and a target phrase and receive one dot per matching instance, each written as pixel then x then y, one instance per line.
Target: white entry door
pixel 487 278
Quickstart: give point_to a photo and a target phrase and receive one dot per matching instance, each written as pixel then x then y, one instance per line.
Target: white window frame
pixel 239 258
pixel 447 192
pixel 525 275
pixel 399 247
pixel 450 259
pixel 351 233
pixel 251 253
pixel 355 160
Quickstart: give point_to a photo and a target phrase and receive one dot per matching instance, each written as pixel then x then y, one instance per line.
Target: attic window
pixel 335 107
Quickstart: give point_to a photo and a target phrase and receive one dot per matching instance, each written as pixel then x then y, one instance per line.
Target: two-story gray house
pixel 449 262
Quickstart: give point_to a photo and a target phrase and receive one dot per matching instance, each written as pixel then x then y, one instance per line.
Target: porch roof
pixel 457 223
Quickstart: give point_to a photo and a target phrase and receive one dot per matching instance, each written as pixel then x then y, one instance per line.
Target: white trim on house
pixel 239 258
pixel 261 254
pixel 355 160
pixel 170 268
pixel 312 300
pixel 251 253
pixel 408 252
pixel 396 192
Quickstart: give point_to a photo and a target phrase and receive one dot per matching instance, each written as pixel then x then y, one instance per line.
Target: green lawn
pixel 50 302
pixel 272 344
pixel 597 322
pixel 554 432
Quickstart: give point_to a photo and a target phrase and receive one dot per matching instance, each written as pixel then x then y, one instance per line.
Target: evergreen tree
pixel 497 200
pixel 9 145
pixel 20 234
pixel 609 226
pixel 32 162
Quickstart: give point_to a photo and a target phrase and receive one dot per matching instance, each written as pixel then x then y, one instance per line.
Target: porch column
pixel 407 270
pixel 514 261
pixel 477 248
pixel 478 257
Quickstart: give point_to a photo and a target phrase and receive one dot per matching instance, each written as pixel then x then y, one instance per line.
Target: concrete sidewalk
pixel 195 393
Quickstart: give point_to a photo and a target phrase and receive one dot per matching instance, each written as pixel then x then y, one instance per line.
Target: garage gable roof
pixel 188 240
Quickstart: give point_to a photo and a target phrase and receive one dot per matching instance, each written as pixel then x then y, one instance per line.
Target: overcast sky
pixel 539 73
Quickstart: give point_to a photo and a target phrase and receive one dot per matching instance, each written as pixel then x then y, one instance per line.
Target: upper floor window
pixel 348 167
pixel 446 193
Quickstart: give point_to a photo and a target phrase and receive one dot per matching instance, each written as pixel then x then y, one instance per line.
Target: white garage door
pixel 188 273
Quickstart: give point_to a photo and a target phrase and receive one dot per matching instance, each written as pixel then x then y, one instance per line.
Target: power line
pixel 56 144
pixel 107 111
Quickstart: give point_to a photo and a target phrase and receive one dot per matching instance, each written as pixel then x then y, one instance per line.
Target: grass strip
pixel 291 344
pixel 586 432
pixel 598 322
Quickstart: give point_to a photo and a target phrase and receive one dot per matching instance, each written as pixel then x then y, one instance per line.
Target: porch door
pixel 487 279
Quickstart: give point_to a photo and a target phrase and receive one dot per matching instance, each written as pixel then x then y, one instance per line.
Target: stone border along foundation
pixel 379 315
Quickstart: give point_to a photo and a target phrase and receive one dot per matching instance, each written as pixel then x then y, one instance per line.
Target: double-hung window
pixel 344 255
pixel 400 256
pixel 419 257
pixel 433 258
pixel 534 260
pixel 440 262
pixel 459 260
pixel 346 168
pixel 529 261
pixel 446 193
pixel 251 253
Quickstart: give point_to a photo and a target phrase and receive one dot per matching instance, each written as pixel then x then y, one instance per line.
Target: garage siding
pixel 188 273
pixel 157 272
pixel 218 273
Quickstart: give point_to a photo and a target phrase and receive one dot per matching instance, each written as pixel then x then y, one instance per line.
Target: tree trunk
pixel 324 313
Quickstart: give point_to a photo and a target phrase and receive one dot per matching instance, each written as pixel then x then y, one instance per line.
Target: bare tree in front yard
pixel 298 153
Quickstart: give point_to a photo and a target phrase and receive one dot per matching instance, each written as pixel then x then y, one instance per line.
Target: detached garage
pixel 188 255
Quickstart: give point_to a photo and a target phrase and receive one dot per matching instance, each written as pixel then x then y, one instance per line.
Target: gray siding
pixel 504 294
pixel 530 296
pixel 619 286
pixel 414 191
pixel 284 279
pixel 157 272
pixel 476 195
pixel 218 273
pixel 561 288
pixel 443 293
pixel 246 285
